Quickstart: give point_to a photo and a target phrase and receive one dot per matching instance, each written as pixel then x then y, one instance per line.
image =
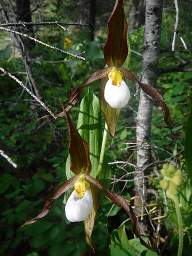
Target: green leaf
pixel 33 254
pixel 5 53
pixel 188 145
pixel 95 135
pixel 89 128
pixel 6 180
pixel 68 171
pixel 94 51
pixel 113 210
pixel 116 50
pixel 83 117
pixel 120 245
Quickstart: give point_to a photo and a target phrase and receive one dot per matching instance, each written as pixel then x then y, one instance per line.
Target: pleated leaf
pixel 188 145
pixel 89 128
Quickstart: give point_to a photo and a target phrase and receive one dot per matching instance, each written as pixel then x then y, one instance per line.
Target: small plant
pixel 172 179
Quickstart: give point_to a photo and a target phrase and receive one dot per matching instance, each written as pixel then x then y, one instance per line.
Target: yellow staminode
pixel 81 186
pixel 116 76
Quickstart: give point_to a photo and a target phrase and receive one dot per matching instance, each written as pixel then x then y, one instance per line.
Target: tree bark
pixel 8 8
pixel 153 14
pixel 92 14
pixel 87 16
pixel 136 14
pixel 23 14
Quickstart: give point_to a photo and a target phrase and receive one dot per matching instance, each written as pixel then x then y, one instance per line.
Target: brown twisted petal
pixel 152 92
pixel 75 94
pixel 121 202
pixel 49 202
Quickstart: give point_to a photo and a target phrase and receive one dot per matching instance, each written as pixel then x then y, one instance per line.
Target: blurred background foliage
pixel 38 144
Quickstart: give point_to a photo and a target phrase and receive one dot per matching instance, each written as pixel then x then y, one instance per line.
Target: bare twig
pixel 42 43
pixel 116 180
pixel 10 16
pixel 176 25
pixel 4 155
pixel 186 67
pixel 176 32
pixel 28 91
pixel 43 23
pixel 183 42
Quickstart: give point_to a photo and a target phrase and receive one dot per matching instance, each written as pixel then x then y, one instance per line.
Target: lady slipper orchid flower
pixel 80 202
pixel 116 92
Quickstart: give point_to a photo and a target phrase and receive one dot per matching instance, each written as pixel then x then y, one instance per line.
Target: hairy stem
pixel 180 226
pixel 103 145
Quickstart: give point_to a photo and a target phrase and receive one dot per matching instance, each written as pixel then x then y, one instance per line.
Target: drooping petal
pixel 78 209
pixel 117 96
pixel 48 203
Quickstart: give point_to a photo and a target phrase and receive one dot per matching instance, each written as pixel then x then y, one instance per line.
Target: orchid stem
pixel 180 226
pixel 103 145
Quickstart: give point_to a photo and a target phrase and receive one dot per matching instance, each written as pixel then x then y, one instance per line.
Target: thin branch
pixel 42 43
pixel 183 67
pixel 43 23
pixel 4 155
pixel 176 32
pixel 22 45
pixel 176 25
pixel 183 42
pixel 28 91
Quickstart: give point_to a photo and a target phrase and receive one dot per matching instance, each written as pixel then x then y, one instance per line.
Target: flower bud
pixel 172 179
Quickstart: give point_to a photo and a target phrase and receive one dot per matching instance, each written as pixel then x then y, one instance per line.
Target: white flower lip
pixel 117 96
pixel 78 209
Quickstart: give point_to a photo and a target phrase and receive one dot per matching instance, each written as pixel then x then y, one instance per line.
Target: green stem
pixel 180 225
pixel 100 165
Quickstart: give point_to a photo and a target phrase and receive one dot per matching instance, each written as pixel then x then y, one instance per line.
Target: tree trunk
pixel 87 16
pixel 23 14
pixel 136 14
pixel 10 16
pixel 153 15
pixel 92 13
